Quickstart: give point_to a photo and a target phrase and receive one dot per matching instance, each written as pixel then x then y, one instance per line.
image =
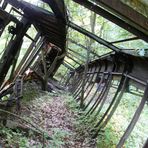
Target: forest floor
pixel 55 120
pixel 49 120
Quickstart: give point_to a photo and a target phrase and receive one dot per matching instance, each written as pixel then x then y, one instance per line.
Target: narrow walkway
pixel 53 114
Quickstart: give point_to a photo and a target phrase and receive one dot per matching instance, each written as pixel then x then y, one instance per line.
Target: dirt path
pixel 53 115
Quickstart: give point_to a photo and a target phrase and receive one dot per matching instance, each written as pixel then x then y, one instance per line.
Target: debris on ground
pixel 51 121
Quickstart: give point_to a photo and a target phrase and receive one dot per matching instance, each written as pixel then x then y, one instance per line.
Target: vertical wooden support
pixel 45 79
pixel 12 49
pixel 134 119
pixel 104 97
pixel 100 98
pixel 31 57
pixel 97 102
pixel 18 91
pixel 95 94
pixel 28 52
pixel 14 64
pixel 113 109
pixel 146 144
pixel 92 86
pixel 88 81
pixel 113 100
pixel 84 77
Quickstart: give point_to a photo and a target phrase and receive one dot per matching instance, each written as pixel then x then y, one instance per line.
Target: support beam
pixel 125 40
pixel 28 52
pixel 73 59
pixel 82 56
pixel 12 49
pixel 82 46
pixel 143 34
pixel 94 37
pixel 126 13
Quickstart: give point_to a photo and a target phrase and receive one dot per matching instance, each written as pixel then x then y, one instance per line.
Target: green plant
pixel 58 138
pixel 14 138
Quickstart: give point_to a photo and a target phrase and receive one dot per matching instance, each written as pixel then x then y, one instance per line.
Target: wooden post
pixel 12 48
pixel 45 70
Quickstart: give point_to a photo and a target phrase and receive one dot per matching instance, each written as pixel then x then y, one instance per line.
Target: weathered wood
pixel 94 37
pixel 45 77
pixel 28 52
pixel 31 57
pixel 125 40
pixel 82 46
pixel 124 23
pixel 126 13
pixel 134 119
pixel 12 74
pixel 12 50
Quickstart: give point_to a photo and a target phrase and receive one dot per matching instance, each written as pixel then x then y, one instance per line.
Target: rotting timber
pixel 50 39
pixel 48 49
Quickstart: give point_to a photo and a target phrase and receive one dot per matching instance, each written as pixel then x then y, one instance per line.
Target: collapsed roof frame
pixel 125 67
pixel 120 14
pixel 50 26
pixel 125 18
pixel 112 65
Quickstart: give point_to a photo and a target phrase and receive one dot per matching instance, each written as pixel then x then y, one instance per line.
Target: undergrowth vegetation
pixel 44 134
pixel 111 134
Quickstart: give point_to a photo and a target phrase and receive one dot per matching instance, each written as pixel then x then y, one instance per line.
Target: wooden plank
pixel 28 52
pixel 94 37
pixel 82 46
pixel 113 18
pixel 125 12
pixel 134 119
pixel 12 49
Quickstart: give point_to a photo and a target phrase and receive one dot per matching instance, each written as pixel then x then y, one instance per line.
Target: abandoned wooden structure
pixel 48 50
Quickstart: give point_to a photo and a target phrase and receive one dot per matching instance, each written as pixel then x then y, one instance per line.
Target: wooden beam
pixel 125 40
pixel 82 46
pixel 113 18
pixel 12 49
pixel 73 59
pixel 28 52
pixel 94 37
pixel 125 12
